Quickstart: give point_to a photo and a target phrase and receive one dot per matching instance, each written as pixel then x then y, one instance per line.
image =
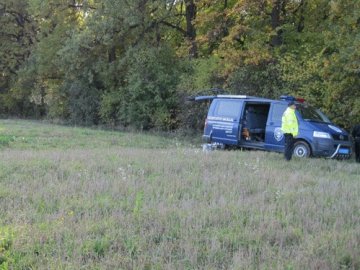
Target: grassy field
pixel 77 198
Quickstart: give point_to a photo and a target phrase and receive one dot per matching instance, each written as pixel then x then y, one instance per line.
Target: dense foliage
pixel 132 63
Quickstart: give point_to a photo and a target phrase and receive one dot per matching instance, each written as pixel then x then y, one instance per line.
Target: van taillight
pixel 206 123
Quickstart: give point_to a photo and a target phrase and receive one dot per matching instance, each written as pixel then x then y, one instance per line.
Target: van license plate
pixel 343 151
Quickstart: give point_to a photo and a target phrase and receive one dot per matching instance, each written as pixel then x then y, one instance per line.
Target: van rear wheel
pixel 301 149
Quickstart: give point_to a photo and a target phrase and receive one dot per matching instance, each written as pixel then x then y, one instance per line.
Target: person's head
pixel 292 105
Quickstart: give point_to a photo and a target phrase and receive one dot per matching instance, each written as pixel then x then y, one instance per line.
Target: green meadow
pixel 82 198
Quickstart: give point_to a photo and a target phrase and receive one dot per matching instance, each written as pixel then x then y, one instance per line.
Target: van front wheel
pixel 301 149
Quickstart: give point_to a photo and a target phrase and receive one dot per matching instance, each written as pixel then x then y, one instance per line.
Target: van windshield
pixel 311 114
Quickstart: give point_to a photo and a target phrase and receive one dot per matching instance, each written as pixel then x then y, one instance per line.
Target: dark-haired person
pixel 290 128
pixel 356 135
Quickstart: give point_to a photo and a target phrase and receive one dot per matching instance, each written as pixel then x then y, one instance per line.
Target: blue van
pixel 253 122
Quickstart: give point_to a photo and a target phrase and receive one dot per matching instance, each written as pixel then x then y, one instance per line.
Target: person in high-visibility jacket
pixel 290 128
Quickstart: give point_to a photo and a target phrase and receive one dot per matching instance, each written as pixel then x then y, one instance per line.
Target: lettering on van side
pixel 224 127
pixel 217 118
pixel 225 124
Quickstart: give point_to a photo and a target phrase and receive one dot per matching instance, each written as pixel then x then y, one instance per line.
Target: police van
pixel 254 122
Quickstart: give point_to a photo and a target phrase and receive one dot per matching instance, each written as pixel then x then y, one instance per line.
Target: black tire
pixel 302 149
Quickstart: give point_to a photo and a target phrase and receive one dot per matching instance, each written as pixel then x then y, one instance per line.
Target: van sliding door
pixel 274 136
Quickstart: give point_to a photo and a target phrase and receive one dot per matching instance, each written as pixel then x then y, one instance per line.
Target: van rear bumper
pixel 331 148
pixel 206 138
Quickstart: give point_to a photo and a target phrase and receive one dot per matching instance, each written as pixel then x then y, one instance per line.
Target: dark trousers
pixel 357 149
pixel 289 146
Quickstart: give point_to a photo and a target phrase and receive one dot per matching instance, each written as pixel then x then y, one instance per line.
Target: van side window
pixel 228 108
pixel 277 112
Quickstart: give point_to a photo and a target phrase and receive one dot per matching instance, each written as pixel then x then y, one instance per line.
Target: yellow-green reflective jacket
pixel 289 123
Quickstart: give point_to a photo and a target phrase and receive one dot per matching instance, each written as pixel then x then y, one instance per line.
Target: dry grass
pixel 174 207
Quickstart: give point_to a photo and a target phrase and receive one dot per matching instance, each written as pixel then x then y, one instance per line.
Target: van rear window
pixel 228 108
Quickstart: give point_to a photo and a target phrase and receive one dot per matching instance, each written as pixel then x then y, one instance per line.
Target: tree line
pixel 132 63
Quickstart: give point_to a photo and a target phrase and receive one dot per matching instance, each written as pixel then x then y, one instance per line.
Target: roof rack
pixel 234 96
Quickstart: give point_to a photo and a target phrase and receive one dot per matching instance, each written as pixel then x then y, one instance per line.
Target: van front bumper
pixel 331 148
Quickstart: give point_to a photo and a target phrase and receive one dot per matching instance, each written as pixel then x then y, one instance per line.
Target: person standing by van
pixel 356 135
pixel 290 128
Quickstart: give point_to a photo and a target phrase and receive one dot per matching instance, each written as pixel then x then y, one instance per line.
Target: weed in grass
pixel 6 243
pixel 95 248
pixel 5 140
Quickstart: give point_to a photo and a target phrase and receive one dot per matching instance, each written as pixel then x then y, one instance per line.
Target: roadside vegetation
pixel 80 198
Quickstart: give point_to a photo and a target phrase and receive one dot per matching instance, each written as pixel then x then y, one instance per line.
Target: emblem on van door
pixel 278 134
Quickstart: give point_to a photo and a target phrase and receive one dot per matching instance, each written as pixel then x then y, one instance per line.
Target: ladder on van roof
pixel 204 98
pixel 235 96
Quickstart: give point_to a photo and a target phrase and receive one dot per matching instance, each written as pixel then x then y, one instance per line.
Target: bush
pixel 147 99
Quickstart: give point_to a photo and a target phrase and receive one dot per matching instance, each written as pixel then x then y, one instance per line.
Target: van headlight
pixel 323 135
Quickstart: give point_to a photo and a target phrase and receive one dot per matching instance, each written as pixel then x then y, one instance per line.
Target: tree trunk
pixel 276 40
pixel 190 14
pixel 112 54
pixel 301 23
